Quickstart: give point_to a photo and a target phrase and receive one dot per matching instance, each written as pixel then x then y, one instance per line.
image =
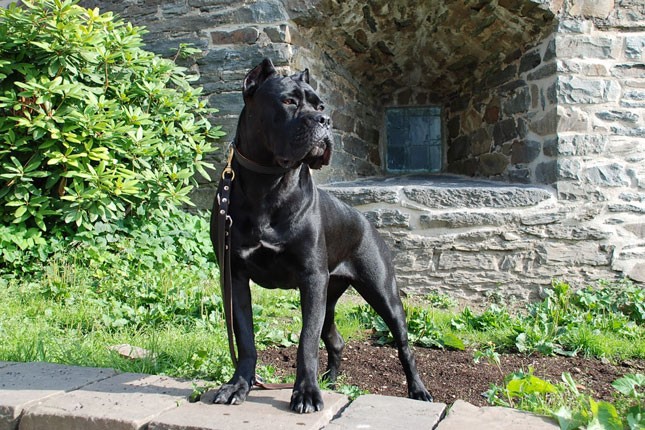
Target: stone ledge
pixel 441 192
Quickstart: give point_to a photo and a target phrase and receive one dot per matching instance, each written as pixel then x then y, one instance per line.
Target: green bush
pixel 135 272
pixel 92 127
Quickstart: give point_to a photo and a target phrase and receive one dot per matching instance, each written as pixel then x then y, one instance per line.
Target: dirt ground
pixel 452 375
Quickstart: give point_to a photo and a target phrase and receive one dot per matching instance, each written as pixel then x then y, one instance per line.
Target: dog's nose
pixel 319 119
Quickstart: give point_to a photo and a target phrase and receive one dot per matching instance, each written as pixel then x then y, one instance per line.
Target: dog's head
pixel 287 117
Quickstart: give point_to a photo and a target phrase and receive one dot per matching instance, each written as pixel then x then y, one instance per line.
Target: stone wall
pixel 476 239
pixel 600 151
pixel 547 92
pixel 501 128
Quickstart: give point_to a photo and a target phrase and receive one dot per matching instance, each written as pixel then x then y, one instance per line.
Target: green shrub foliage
pixel 92 126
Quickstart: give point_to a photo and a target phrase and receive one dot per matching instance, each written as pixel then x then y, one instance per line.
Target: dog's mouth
pixel 319 155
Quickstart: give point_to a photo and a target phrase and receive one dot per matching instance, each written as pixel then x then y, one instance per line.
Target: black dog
pixel 288 234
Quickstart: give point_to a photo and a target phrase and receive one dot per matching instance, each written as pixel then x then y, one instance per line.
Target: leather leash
pixel 224 223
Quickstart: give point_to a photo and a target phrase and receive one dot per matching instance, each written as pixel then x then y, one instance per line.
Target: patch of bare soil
pixel 452 375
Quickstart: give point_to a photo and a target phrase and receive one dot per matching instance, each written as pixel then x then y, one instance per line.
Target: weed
pixel 572 409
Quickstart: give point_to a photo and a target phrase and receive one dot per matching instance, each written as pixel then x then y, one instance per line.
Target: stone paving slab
pixel 462 415
pixel 25 384
pixel 44 396
pixel 127 401
pixel 262 410
pixel 391 413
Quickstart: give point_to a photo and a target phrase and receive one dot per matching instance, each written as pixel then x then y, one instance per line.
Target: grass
pixel 156 288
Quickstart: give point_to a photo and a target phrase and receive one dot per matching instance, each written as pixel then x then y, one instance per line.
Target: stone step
pixel 441 192
pixel 39 396
pixel 391 413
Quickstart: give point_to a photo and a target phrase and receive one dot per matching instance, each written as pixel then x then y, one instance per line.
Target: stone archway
pixel 489 64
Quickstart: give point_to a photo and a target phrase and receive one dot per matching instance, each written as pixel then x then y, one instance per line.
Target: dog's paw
pixel 233 393
pixel 306 400
pixel 421 394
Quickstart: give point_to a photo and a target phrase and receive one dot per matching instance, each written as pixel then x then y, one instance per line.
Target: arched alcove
pixel 489 66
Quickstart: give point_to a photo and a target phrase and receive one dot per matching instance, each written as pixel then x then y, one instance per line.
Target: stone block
pixel 579 253
pixel 618 115
pixel 247 35
pixel 633 98
pixel 581 144
pixel 493 164
pixel 480 142
pixel 459 149
pixel 525 151
pixel 23 385
pixel 491 196
pixel 629 70
pixel 518 102
pixel 456 260
pixel 545 71
pixel 546 124
pixel 592 8
pixel 530 61
pixel 462 415
pixel 392 413
pixel 546 172
pixel 503 76
pixel 453 126
pixel 357 196
pixel 504 131
pixel 636 272
pixel 637 229
pixel 577 90
pixel 582 67
pixel 127 401
pixel 550 146
pixel 244 57
pixel 634 47
pixel 229 103
pixel 588 47
pixel 468 218
pixel 571 119
pixel 569 168
pixel 542 218
pixel 386 218
pixel 262 410
pixel 608 175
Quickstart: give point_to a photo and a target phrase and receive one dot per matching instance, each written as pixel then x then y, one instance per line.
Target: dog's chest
pixel 264 251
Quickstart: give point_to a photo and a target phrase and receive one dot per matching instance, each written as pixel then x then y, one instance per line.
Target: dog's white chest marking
pixel 247 252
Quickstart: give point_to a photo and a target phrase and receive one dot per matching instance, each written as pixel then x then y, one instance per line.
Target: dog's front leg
pixel 306 395
pixel 237 389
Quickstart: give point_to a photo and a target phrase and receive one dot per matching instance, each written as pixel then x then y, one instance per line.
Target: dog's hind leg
pixel 333 341
pixel 378 287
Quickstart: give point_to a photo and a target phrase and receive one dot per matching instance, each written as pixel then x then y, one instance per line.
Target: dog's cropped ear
pixel 303 76
pixel 257 76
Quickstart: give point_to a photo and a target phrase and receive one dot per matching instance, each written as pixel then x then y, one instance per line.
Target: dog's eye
pixel 289 102
pixel 321 108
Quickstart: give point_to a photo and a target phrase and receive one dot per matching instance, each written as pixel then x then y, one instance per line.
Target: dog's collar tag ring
pixel 228 170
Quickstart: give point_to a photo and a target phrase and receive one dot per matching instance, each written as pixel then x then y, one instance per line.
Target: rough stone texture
pixel 378 412
pixel 23 385
pixel 64 397
pixel 126 401
pixel 463 415
pixel 261 410
pixel 467 237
